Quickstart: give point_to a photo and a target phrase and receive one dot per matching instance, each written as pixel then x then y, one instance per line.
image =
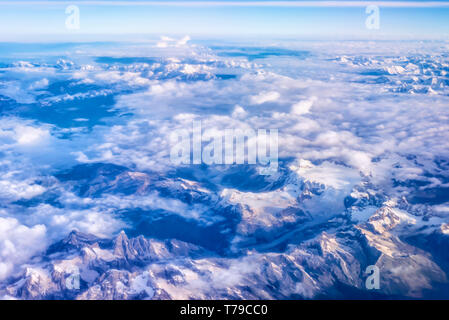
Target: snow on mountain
pixel 90 196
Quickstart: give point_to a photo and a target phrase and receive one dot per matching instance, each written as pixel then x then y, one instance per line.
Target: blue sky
pixel 39 20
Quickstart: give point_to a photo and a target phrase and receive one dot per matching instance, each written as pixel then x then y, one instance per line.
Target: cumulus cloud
pixel 167 42
pixel 14 190
pixel 18 243
pixel 303 107
pixel 239 112
pixel 39 84
pixel 264 97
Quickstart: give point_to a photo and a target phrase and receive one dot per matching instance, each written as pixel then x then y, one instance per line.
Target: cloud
pixel 13 90
pixel 361 115
pixel 264 97
pixel 18 243
pixel 15 190
pixel 303 107
pixel 239 112
pixel 301 3
pixel 170 42
pixel 39 84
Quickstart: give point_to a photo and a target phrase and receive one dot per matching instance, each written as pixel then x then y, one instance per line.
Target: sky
pixel 362 121
pixel 98 20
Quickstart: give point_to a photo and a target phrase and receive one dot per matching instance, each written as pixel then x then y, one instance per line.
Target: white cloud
pixel 14 190
pixel 264 97
pixel 18 243
pixel 39 84
pixel 239 112
pixel 303 106
pixel 170 42
pixel 26 135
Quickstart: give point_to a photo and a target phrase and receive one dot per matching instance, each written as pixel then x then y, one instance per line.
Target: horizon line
pixel 239 3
